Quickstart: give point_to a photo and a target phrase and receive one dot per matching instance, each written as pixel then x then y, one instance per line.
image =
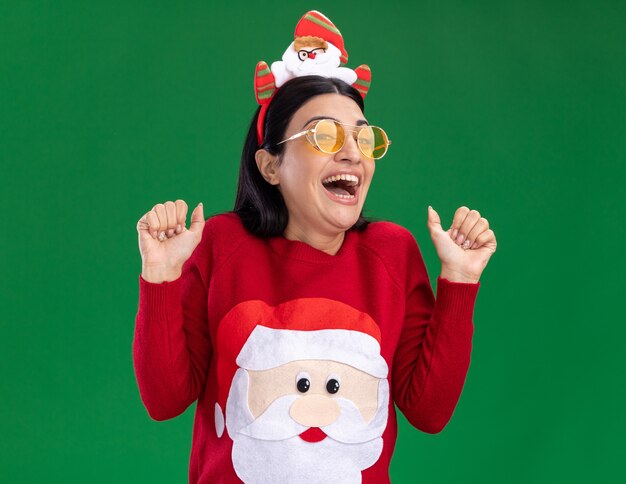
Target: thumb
pixel 197 219
pixel 434 222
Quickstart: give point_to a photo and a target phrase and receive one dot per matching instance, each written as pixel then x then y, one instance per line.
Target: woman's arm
pixel 433 355
pixel 172 346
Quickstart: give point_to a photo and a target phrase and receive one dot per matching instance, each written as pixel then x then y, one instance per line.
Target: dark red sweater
pixel 378 275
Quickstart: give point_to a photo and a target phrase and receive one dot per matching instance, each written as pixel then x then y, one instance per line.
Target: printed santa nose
pixel 314 410
pixel 312 55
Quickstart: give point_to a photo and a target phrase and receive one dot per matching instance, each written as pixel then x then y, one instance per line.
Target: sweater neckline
pixel 296 249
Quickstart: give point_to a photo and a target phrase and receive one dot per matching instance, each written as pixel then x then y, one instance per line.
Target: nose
pixel 312 55
pixel 314 410
pixel 350 150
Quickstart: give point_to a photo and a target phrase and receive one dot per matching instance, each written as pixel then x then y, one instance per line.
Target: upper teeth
pixel 353 179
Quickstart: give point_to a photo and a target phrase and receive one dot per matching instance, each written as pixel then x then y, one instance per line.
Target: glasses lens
pixel 329 136
pixel 373 142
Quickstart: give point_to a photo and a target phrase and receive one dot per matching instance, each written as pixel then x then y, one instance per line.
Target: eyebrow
pixel 360 122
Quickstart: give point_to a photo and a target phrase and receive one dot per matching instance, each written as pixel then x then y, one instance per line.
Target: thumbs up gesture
pixel 165 243
pixel 465 248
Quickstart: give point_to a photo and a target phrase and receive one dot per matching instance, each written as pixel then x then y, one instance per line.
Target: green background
pixel 516 109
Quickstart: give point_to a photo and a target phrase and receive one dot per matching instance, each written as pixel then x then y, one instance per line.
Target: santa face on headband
pixel 308 398
pixel 310 55
pixel 318 49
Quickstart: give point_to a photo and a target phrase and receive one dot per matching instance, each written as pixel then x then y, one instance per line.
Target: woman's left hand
pixel 465 248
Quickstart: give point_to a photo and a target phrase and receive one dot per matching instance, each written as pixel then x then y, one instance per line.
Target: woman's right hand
pixel 165 243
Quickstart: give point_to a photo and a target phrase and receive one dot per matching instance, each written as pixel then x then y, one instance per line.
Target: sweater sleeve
pixel 171 345
pixel 433 355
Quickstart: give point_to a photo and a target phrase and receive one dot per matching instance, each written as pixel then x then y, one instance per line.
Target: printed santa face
pixel 316 417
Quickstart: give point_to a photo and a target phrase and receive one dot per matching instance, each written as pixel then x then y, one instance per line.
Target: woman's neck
pixel 326 243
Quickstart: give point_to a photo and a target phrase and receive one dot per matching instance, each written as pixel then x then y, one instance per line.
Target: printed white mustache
pixel 350 428
pixel 275 423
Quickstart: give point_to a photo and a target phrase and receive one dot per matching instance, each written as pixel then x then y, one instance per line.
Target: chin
pixel 343 214
pixel 346 221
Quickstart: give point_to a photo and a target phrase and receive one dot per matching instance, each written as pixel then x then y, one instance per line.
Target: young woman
pixel 294 322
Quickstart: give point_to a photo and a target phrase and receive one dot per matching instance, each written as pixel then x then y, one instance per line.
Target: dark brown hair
pixel 259 204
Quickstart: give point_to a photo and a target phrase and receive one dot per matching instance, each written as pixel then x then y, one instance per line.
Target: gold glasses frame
pixel 310 136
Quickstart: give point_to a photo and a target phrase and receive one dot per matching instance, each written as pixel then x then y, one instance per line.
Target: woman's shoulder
pixel 227 222
pixel 223 231
pixel 393 246
pixel 385 235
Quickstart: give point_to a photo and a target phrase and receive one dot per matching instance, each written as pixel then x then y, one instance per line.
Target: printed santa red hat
pixel 256 336
pixel 316 24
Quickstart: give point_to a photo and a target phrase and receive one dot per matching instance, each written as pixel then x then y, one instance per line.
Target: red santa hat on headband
pixel 316 24
pixel 317 49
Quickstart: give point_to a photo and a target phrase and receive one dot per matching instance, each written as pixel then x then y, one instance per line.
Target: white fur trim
pixel 268 348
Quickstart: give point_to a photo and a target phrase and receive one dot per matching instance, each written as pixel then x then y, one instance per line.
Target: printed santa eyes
pixel 303 383
pixel 332 384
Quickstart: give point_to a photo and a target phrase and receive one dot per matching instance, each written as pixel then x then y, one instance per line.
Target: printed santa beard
pixel 270 449
pixel 323 64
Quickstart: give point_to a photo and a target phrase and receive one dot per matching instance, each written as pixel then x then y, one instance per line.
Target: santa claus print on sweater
pixel 301 383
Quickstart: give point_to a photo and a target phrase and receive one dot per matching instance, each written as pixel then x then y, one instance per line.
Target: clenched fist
pixel 165 243
pixel 466 247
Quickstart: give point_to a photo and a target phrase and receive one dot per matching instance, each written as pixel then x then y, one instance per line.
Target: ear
pixel 267 164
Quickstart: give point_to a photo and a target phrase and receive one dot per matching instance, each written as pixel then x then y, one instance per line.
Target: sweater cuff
pixel 455 300
pixel 156 298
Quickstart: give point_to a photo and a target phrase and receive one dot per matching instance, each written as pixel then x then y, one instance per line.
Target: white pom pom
pixel 219 420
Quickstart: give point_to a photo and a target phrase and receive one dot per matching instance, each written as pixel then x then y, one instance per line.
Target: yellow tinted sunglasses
pixel 329 136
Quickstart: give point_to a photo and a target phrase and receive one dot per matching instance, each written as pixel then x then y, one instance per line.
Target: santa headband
pixel 317 49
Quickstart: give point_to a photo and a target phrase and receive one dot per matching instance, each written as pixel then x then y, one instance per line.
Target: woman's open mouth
pixel 342 188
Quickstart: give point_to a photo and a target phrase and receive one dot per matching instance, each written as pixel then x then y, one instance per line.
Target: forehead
pixel 332 105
